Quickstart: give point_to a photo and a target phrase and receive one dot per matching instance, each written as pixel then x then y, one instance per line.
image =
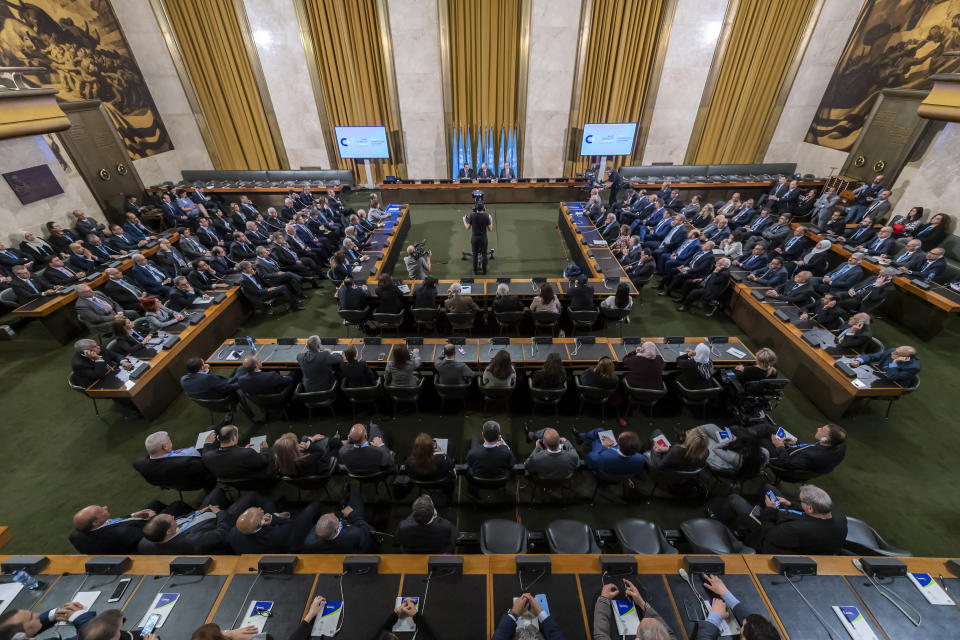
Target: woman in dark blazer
pixel 390 298
pixel 339 269
pixel 644 367
pixel 689 455
pixel 127 340
pixel 601 376
pixel 425 294
pixel 427 462
pixel 552 375
pixel 932 234
pixel 355 373
pixel 765 368
pixel 304 457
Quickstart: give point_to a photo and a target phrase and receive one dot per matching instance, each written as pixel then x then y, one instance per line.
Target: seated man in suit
pixel 363 456
pixel 259 293
pixel 820 457
pixel 120 241
pixel 742 215
pixel 10 258
pixel 199 532
pixel 289 260
pixel 708 288
pixel 868 294
pixel 882 245
pixel 271 274
pixel 22 624
pixel 207 235
pixel 135 229
pixel 165 466
pixel 774 275
pixel 798 292
pixel 232 461
pixel 484 172
pixel 190 247
pixel 492 458
pixel 242 248
pixel 29 287
pixel 780 188
pixel 150 278
pixel 320 366
pixel 643 269
pixel 451 372
pixel 87 225
pixel 424 531
pixel 908 259
pixel 825 311
pixel 199 383
pixel 504 301
pixel 352 296
pixel 102 252
pixel 666 261
pixel 553 457
pixel 260 529
pixel 580 295
pixel 773 234
pixel 184 294
pixel 857 334
pixel 80 258
pixel 91 362
pixel 619 457
pixel 466 173
pixel 697 265
pixel 96 533
pixel 652 624
pixel 759 224
pixel 933 266
pixel 716 230
pixel 57 274
pixel 793 246
pixel 900 365
pixel 860 235
pixel 204 278
pixel 97 311
pixel 507 173
pixel 349 534
pixel 253 380
pixel 842 277
pixel 758 258
pixel 725 605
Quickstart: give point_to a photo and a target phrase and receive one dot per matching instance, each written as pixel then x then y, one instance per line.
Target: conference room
pixel 478 319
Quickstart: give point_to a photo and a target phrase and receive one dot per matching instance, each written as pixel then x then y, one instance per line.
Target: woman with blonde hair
pixel 686 456
pixel 766 367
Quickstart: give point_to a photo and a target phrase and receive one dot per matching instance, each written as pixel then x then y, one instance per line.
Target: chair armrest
pixel 460 469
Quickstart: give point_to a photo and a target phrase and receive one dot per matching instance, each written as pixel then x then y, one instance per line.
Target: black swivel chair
pixel 583 319
pixel 699 397
pixel 549 397
pixel 405 395
pixel 509 320
pixel 317 482
pixel 268 401
pixel 497 395
pixel 643 397
pixel 503 537
pixel 571 536
pixel 391 321
pixel 425 317
pixel 616 315
pixel 454 392
pixel 594 396
pixel 82 390
pixel 705 535
pixel 638 536
pixel 362 395
pixel 863 540
pixel 461 321
pixel 545 320
pixel 354 318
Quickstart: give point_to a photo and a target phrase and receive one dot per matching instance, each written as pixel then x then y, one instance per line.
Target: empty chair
pixel 496 395
pixel 699 397
pixel 509 320
pixel 640 284
pixel 454 392
pixel 226 405
pixel 641 536
pixel 584 319
pixel 404 395
pixel 502 536
pixel 874 346
pixel 571 536
pixel 545 320
pixel 615 315
pixel 461 321
pixel 593 396
pixel 712 536
pixel 354 318
pixel 390 321
pixel 362 395
pixel 549 397
pixel 425 317
pixel 639 396
pixel 317 399
pixel 863 540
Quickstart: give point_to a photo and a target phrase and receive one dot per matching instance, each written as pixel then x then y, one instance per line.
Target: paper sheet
pixel 625 613
pixel 325 624
pixel 854 622
pixel 608 433
pixel 256 441
pixel 466 288
pixel 736 353
pixel 202 439
pixel 257 614
pixel 8 592
pixel 162 604
pixel 440 445
pixel 932 591
pixel 661 439
pixel 86 598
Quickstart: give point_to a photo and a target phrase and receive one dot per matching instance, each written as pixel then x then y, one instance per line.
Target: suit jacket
pixel 581 298
pixel 867 296
pixel 605 627
pixel 136 231
pixel 742 217
pixel 256 291
pixel 123 242
pixel 924 270
pixel 452 372
pixel 856 341
pixel 357 374
pixel 553 465
pixel 263 382
pixel 353 298
pixel 171 263
pixel 58 277
pixel 79 262
pixel 438 536
pixel 468 174
pixel 786 533
pixel 93 315
pixel 490 462
pixel 847 279
pixel 86 371
pixel 88 225
pixel 239 462
pixel 777 233
pixel 878 209
pixel 276 537
pixel 12 257
pixel 148 280
pixel 794 293
pixel 608 460
pixel 242 251
pixel 180 300
pixel 699 266
pixel 506 303
pixel 30 288
pixel 708 631
pixel 904 373
pixel 191 247
pixel 356 536
pixel 317 367
pixel 111 539
pixel 176 471
pixel 808 457
pixel 911 262
pixel 507 628
pixel 507 174
pixel 793 247
pixel 714 284
pixel 860 235
pixel 208 237
pixel 752 262
pixel 365 460
pixel 41 254
pixel 209 386
pixel 929 236
pixel 880 246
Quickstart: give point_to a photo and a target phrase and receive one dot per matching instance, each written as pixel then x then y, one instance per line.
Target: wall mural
pixel 896 44
pixel 81 43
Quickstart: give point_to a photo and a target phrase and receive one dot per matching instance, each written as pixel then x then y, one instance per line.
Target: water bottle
pixel 250 342
pixel 28 581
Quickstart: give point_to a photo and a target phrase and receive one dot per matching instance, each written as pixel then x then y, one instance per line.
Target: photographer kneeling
pixel 417 261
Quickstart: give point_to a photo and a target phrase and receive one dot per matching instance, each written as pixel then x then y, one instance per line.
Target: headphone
pixel 824 439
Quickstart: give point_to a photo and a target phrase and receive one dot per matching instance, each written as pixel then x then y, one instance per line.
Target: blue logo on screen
pixel 589 139
pixel 343 141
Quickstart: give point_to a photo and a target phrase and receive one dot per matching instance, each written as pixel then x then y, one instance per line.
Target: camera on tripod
pixel 420 249
pixel 477 199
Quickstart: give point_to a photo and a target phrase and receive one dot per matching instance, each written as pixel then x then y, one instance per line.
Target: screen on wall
pixel 362 142
pixel 608 138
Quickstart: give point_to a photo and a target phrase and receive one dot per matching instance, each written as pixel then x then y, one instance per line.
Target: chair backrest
pixel 545 317
pixel 497 393
pixel 494 482
pixel 362 394
pixel 353 316
pixel 425 314
pixel 640 393
pixel 594 393
pixel 73 385
pixel 9 296
pixel 269 398
pixel 112 345
pixel 451 390
pixel 502 536
pixel 615 314
pixel 584 317
pixel 461 320
pixel 509 318
pixel 771 386
pixel 323 395
pixel 389 318
pixel 874 346
pixel 864 539
pixel 547 395
pixel 710 536
pixel 214 404
pixel 404 393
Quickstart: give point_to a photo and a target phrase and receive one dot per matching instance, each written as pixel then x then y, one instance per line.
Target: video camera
pixel 477 198
pixel 420 249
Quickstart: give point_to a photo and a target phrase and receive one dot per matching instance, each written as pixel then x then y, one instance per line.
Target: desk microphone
pixel 890 595
pixel 576 348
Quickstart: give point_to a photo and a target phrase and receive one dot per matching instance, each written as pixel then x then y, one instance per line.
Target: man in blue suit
pixel 882 245
pixel 678 255
pixel 761 222
pixel 349 534
pixel 772 276
pixel 717 230
pixel 121 241
pixel 862 234
pixel 900 365
pixel 606 456
pixel 673 238
pixel 659 232
pixel 843 277
pixel 757 259
pixel 697 265
pixel 151 278
pixel 743 215
pixel 135 229
pixel 507 627
pixel 932 267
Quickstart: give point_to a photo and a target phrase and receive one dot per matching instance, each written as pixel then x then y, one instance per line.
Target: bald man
pixel 554 458
pixel 96 532
pixel 365 453
pixel 260 530
pixel 32 624
pixel 349 533
pixel 900 365
pixel 199 532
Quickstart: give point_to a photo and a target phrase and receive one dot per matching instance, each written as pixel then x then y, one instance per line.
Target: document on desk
pixel 736 353
pixel 86 598
pixel 407 624
pixel 854 622
pixel 257 614
pixel 326 623
pixel 930 590
pixel 404 288
pixel 530 620
pixel 162 606
pixel 625 613
pixel 466 289
pixel 256 441
pixel 8 592
pixel 202 439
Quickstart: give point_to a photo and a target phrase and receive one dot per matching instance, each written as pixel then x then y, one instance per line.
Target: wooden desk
pixel 926 311
pixel 56 312
pixel 159 386
pixel 432 191
pixel 479 351
pixel 580 236
pixel 5 534
pixel 811 368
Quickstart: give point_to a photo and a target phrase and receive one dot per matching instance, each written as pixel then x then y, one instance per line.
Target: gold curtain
pixel 352 68
pixel 211 43
pixel 485 59
pixel 763 42
pixel 622 49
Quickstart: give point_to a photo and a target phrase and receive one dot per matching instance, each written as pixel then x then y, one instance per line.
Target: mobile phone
pixel 781 433
pixel 150 625
pixel 118 592
pixel 773 497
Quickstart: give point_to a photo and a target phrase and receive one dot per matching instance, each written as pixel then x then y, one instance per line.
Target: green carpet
pixel 59 456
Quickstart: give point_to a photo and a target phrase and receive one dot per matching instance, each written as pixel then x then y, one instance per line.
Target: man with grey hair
pixel 869 294
pixel 97 311
pixel 91 362
pixel 652 625
pixel 492 457
pixel 417 268
pixel 350 533
pixel 857 334
pixel 424 531
pixel 317 364
pixel 504 301
pixel 272 275
pixel 182 468
pixel 842 277
pixel 900 365
pixel 811 526
pixel 708 288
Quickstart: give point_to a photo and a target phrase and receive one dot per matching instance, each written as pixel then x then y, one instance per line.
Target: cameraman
pixel 480 223
pixel 417 262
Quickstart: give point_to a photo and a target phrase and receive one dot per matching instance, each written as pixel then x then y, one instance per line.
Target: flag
pixel 461 154
pixel 514 158
pixel 491 156
pixel 454 157
pixel 469 151
pixel 480 143
pixel 502 155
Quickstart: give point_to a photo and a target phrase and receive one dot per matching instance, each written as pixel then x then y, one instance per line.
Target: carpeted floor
pixel 58 456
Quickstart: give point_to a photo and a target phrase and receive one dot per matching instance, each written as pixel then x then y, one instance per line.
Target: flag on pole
pixel 454 156
pixel 491 151
pixel 502 155
pixel 514 163
pixel 461 154
pixel 480 143
pixel 469 150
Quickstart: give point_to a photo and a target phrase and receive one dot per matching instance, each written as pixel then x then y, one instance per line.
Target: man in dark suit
pixel 58 274
pixel 259 293
pixel 857 334
pixel 29 287
pixel 86 225
pixel 491 458
pixel 907 260
pixel 120 241
pixel 466 173
pixel 349 534
pixel 708 288
pixel 170 261
pixel 184 294
pixel 666 261
pixel 261 530
pixel 449 371
pixel 242 248
pixel 900 365
pixel 882 245
pixel 207 235
pixel 863 197
pixel 201 198
pixel 101 252
pixel 725 605
pixel 254 381
pixel 775 192
pixel 484 172
pixel 793 246
pixel 135 229
pixel 742 215
pixel 165 466
pixel 96 310
pixel 271 274
pixel 127 295
pixel 932 267
pixel 96 533
pixel 363 456
pixel 199 383
pixel 797 292
pixel 581 295
pixel 204 278
pixel 773 234
pixel 759 224
pixel 860 235
pixel 697 266
pixel 150 278
pixel 79 260
pixel 232 461
pixel 173 216
pixel 842 277
pixel 424 531
pixel 787 201
pixel 10 258
pixel 758 259
pixel 289 260
pixel 317 365
pixel 868 294
pixel 820 457
pixel 353 297
pixel 772 276
pixel 190 247
pixel 553 457
pixel 91 362
pixel 507 173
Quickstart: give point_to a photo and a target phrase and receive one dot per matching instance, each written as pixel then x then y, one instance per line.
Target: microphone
pixel 809 606
pixel 894 598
